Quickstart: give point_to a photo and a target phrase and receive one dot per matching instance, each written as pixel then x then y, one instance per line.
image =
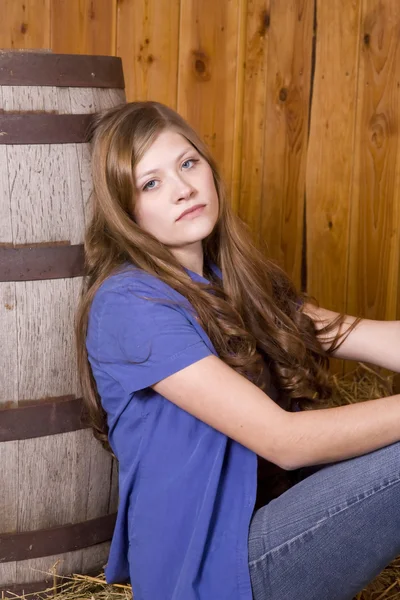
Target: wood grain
pixel 25 24
pixel 96 555
pixel 77 156
pixel 61 456
pixel 238 125
pixel 207 82
pixel 250 186
pixel 8 340
pixel 46 358
pixel 114 488
pixel 147 41
pixel 56 479
pixel 374 245
pixel 40 569
pixel 8 329
pixel 75 458
pixel 286 131
pixel 9 495
pixel 9 476
pixel 100 469
pixel 33 98
pixel 239 71
pixel 84 26
pixel 330 152
pixel 60 564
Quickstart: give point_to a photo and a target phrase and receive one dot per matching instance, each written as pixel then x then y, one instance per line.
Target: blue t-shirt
pixel 186 491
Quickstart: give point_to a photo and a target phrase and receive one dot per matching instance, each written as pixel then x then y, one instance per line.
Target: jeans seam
pixel 364 496
pixel 316 526
pixel 300 535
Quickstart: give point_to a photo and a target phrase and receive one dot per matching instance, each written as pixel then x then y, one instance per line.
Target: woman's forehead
pixel 168 147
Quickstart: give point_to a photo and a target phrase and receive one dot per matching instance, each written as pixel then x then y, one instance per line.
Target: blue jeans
pixel 329 535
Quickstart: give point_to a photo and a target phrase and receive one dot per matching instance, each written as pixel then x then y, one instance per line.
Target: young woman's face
pixel 172 178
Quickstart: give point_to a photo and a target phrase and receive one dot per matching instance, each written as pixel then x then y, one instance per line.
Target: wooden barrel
pixel 58 492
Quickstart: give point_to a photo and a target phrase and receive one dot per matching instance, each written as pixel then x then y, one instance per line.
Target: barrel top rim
pixel 53 55
pixel 27 68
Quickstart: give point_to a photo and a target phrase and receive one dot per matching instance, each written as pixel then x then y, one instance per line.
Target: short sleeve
pixel 140 338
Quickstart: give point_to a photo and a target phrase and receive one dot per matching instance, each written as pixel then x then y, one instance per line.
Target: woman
pixel 196 354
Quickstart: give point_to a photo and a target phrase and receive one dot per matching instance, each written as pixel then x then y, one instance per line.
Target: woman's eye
pixel 150 185
pixel 189 163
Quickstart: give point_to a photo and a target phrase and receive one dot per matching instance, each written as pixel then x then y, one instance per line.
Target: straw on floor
pixel 362 384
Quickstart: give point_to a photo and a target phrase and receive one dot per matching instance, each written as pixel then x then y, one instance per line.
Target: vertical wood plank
pixel 373 274
pixel 8 325
pixel 8 573
pixel 9 474
pixel 6 236
pixel 45 325
pixel 238 125
pixel 252 158
pixel 25 24
pixel 114 488
pixel 100 473
pixel 85 180
pixel 47 191
pixel 84 26
pixel 9 488
pixel 18 98
pixel 45 464
pixel 95 555
pixel 9 493
pixel 208 73
pixel 331 146
pixel 8 340
pixel 41 569
pixel 77 156
pixel 59 456
pixel 147 41
pixel 286 131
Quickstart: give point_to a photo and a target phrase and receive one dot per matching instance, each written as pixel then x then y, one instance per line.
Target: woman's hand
pixel 375 342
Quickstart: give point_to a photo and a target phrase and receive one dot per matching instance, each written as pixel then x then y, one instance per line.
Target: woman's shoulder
pixel 135 307
pixel 131 282
pixel 129 297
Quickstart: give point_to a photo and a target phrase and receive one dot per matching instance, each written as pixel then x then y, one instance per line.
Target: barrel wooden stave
pixel 40 570
pixel 5 208
pixel 58 100
pixel 42 315
pixel 8 345
pixel 8 502
pixel 44 198
pixel 86 496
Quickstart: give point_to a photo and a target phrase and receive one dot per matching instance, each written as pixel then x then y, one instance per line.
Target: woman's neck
pixel 191 258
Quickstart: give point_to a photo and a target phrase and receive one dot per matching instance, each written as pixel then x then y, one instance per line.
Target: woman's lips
pixel 192 213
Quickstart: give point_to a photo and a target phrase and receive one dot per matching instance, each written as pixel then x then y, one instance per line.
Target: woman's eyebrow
pixel 156 169
pixel 188 149
pixel 151 172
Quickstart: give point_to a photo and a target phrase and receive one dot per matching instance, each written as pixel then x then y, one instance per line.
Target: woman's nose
pixel 184 189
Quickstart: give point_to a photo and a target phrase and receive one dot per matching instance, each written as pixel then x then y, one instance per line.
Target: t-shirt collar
pixel 196 277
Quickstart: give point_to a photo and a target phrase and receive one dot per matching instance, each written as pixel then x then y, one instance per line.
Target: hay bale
pixel 366 383
pixel 80 587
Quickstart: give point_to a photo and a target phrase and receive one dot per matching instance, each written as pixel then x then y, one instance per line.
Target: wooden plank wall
pixel 298 99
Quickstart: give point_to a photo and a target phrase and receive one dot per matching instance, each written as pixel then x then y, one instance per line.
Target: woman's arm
pixel 217 395
pixel 376 342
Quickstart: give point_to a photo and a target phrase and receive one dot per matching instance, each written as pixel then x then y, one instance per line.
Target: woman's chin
pixel 197 233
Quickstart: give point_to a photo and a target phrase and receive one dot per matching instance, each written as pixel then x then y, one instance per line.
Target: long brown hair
pixel 253 316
